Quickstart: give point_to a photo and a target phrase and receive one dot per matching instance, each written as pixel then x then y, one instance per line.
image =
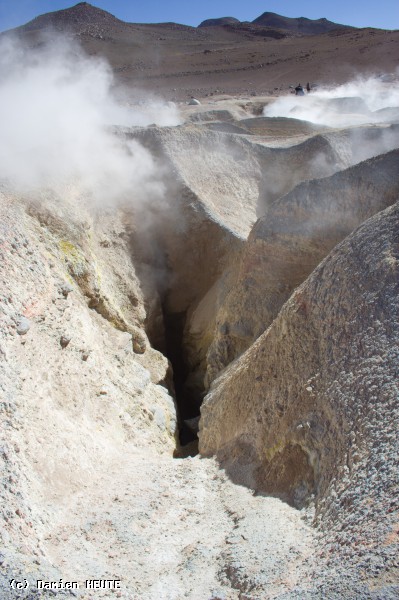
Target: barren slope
pixel 177 61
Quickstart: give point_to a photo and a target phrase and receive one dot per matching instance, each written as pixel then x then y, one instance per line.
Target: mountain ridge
pixel 299 24
pixel 85 13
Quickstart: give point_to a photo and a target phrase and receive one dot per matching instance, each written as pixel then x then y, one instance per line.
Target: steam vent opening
pixel 161 276
pixel 188 405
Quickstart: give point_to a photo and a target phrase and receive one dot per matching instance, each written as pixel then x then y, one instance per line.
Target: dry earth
pixel 176 61
pixel 260 286
pixel 89 486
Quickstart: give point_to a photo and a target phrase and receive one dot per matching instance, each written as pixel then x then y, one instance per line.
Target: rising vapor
pixel 355 103
pixel 56 110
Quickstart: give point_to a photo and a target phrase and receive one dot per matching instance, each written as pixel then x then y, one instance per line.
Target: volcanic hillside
pixel 261 57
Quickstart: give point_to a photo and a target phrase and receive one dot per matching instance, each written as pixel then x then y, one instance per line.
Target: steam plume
pixel 355 103
pixel 56 109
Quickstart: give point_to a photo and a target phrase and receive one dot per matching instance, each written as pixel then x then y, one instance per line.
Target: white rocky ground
pixel 89 486
pixel 176 529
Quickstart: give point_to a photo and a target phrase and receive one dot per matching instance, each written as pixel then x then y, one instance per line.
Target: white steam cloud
pixel 56 113
pixel 372 100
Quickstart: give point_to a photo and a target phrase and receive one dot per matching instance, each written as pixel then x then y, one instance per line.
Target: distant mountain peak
pixel 299 24
pixel 75 17
pixel 219 22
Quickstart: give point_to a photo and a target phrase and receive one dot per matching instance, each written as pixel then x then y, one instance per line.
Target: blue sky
pixel 360 13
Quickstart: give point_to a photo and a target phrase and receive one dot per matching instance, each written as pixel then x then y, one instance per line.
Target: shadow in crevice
pixel 188 406
pixel 288 475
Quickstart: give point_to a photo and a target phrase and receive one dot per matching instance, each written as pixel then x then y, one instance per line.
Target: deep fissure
pixel 165 330
pixel 188 407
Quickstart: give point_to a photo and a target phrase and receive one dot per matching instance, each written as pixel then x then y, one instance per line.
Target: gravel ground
pixel 171 529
